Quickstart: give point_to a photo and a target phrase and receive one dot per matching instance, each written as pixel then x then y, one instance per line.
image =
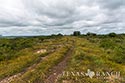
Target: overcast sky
pixel 43 17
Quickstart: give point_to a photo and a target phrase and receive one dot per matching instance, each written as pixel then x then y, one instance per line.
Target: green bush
pixel 112 34
pixel 107 44
pixel 119 56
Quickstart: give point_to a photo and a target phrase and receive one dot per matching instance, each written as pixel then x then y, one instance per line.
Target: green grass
pixel 26 57
pixel 42 70
pixel 94 53
pixel 90 56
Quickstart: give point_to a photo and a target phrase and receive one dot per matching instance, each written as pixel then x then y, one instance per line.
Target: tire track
pixel 57 70
pixel 31 68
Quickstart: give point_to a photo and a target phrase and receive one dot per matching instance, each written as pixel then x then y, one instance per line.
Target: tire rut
pixel 31 68
pixel 59 68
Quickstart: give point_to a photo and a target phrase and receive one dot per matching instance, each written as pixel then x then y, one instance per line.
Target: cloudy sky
pixel 44 17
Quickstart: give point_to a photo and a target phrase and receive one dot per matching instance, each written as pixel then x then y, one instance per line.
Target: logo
pixel 90 73
pixel 93 74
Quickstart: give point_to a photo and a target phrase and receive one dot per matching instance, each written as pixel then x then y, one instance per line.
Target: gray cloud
pixel 33 17
pixel 112 4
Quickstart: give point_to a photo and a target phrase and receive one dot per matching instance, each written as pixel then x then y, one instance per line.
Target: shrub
pixel 119 56
pixel 91 34
pixel 59 34
pixel 112 34
pixel 107 44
